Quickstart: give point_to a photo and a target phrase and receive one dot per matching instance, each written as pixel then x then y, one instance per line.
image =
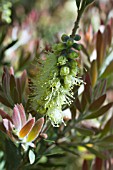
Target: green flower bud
pixel 74 71
pixel 77 37
pixel 69 42
pixel 73 55
pixel 64 37
pixel 41 110
pixel 54 47
pixel 68 79
pixel 62 60
pixel 73 64
pixel 64 71
pixel 60 47
pixel 77 46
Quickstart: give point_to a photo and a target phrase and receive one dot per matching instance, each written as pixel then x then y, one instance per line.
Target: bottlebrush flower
pixel 57 75
pixel 19 128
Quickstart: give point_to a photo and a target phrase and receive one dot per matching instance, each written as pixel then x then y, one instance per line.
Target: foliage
pixel 51 79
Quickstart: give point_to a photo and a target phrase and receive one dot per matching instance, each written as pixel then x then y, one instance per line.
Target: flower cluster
pixel 20 129
pixel 56 78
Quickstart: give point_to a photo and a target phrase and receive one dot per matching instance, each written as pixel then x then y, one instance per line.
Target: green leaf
pixel 84 131
pixel 108 70
pixel 96 152
pixel 107 128
pixel 31 157
pixel 97 103
pixel 13 156
pixel 99 112
pixel 108 139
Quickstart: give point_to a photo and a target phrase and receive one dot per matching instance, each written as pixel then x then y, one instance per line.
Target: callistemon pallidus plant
pixel 58 74
pixel 56 77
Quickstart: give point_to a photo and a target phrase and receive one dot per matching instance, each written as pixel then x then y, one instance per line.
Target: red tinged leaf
pixel 16 96
pixel 26 128
pixel 78 105
pixel 23 80
pixel 18 83
pixel 11 71
pixel 100 47
pixel 12 85
pixel 94 73
pixel 4 115
pixel 16 118
pixel 4 101
pixel 87 88
pixel 97 164
pixel 83 101
pixel 108 35
pixel 85 165
pixel 7 124
pixel 99 112
pixel 22 114
pixel 108 127
pixel 35 130
pixel 2 128
pixel 97 103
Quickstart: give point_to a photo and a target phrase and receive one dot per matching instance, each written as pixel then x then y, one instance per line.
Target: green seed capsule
pixel 64 71
pixel 73 64
pixel 69 42
pixel 77 46
pixel 64 37
pixel 41 110
pixel 60 47
pixel 77 37
pixel 73 55
pixel 62 60
pixel 54 47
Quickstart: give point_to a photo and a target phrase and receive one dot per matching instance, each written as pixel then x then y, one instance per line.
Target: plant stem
pixel 76 24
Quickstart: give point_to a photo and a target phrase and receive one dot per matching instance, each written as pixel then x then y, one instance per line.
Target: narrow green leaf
pixel 12 155
pixel 97 103
pixel 96 152
pixel 84 131
pixel 108 70
pixel 99 112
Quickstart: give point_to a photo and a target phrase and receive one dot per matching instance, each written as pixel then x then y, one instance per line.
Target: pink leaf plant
pixel 19 128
